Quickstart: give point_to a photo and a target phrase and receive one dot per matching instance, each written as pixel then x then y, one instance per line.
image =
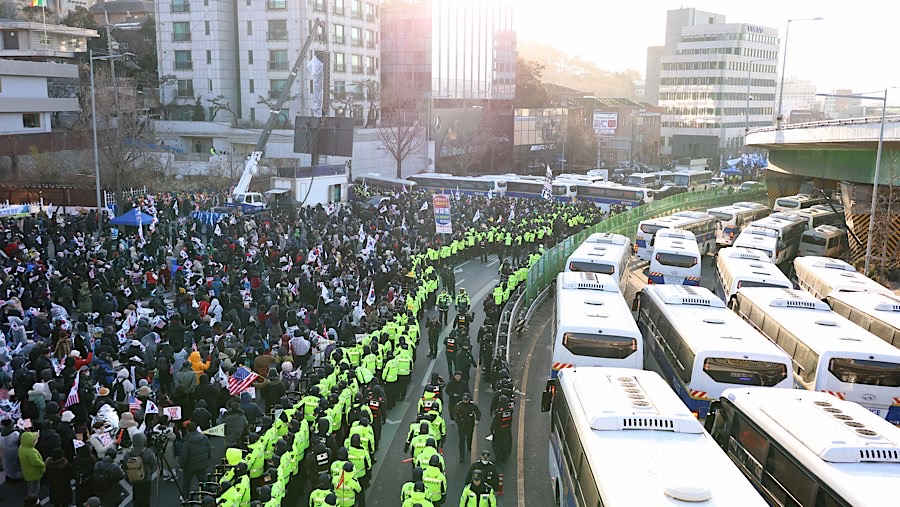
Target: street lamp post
pixel 747 111
pixel 877 175
pixel 787 32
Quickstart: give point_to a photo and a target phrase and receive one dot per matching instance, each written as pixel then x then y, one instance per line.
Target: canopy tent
pixel 134 217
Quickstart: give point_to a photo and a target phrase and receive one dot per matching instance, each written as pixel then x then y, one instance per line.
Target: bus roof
pixel 860 462
pixel 813 323
pixel 593 303
pixel 607 238
pixel 884 306
pixel 836 275
pixel 777 221
pixel 644 446
pixel 375 177
pixel 713 327
pixel 743 253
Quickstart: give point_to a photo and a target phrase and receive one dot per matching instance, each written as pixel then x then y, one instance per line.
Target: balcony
pixel 340 11
pixel 276 5
pixel 356 14
pixel 278 65
pixel 184 65
pixel 277 35
pixel 370 17
pixel 319 5
pixel 185 92
pixel 274 94
pixel 356 42
pixel 356 69
pixel 181 37
pixel 338 39
pixel 370 71
pixel 370 44
pixel 340 67
pixel 178 7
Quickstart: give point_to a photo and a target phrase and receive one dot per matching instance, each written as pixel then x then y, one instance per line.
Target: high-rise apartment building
pixel 715 80
pixel 240 54
pixel 799 94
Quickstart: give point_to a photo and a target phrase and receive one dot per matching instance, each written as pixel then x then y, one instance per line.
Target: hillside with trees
pixel 573 72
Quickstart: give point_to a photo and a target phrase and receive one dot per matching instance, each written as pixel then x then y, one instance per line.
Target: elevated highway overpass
pixel 840 155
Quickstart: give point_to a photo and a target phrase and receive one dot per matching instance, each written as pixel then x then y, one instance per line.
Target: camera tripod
pixel 162 464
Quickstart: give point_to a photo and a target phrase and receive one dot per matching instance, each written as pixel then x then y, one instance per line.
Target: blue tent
pixel 731 171
pixel 131 218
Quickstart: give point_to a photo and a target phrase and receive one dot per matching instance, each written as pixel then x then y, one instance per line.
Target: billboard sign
pixel 605 123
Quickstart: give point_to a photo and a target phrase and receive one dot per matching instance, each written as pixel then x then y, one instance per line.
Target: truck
pixel 241 197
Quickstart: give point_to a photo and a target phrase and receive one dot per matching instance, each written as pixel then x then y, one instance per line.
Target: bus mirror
pixel 711 416
pixel 636 302
pixel 547 396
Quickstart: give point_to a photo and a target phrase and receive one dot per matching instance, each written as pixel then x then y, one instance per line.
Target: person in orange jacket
pixel 197 364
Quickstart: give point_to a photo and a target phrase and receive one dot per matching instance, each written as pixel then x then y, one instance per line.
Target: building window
pixel 206 27
pixel 181 6
pixel 183 60
pixel 208 57
pixel 205 3
pixel 340 88
pixel 278 59
pixel 275 87
pixel 339 62
pixel 185 88
pixel 339 7
pixel 276 5
pixel 370 65
pixel 283 117
pixel 277 30
pixel 370 39
pixel 356 64
pixel 338 34
pixel 320 32
pixel 249 28
pixel 181 31
pixel 31 120
pixel 250 57
pixel 319 5
pixel 370 12
pixel 252 114
pixel 44 39
pixel 356 9
pixel 252 87
pixel 356 36
pixel 210 85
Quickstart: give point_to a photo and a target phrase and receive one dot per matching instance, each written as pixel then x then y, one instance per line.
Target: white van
pixel 676 258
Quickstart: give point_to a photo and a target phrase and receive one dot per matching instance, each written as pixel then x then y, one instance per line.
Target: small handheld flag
pixel 241 380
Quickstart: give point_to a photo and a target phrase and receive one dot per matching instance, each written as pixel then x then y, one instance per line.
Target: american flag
pixel 73 398
pixel 134 404
pixel 241 380
pixel 547 192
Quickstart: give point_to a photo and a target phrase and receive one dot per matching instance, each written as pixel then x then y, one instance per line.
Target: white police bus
pixel 621 438
pixel 808 449
pixel 829 352
pixel 820 276
pixel 676 258
pixel 441 183
pixel 824 241
pixel 738 267
pixel 604 253
pixel 778 235
pixel 703 227
pixel 876 312
pixel 733 218
pixel 701 347
pixel 693 180
pixel 797 202
pixel 592 324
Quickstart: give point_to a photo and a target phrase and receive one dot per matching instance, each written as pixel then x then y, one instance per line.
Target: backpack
pixel 118 390
pixel 134 468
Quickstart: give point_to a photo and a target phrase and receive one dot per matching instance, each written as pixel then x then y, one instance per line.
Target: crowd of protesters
pixel 289 332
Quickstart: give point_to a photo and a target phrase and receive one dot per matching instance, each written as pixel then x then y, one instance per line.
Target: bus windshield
pixel 676 260
pixel 650 228
pixel 863 371
pixel 721 215
pixel 597 345
pixel 591 267
pixel 745 372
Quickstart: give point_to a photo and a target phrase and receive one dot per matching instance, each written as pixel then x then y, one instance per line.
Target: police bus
pixel 377 180
pixel 605 194
pixel 778 235
pixel 441 183
pixel 703 227
pixel 824 241
pixel 604 253
pixel 676 258
pixel 733 218
pixel 820 276
pixel 592 324
pixel 808 449
pixel 738 267
pixel 797 202
pixel 644 180
pixel 562 191
pixel 621 438
pixel 701 347
pixel 829 352
pixel 876 312
pixel 819 215
pixel 693 180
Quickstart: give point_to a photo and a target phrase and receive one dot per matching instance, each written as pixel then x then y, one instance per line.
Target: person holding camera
pixel 162 440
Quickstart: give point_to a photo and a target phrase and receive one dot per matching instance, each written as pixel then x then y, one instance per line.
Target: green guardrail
pixel 544 271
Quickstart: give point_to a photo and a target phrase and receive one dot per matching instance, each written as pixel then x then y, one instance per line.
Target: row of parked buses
pixel 731 357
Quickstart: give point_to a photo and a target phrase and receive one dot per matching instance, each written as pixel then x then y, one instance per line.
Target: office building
pixel 799 95
pixel 715 80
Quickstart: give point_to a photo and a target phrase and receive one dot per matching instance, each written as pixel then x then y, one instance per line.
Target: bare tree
pixel 124 136
pixel 218 103
pixel 468 142
pixel 402 131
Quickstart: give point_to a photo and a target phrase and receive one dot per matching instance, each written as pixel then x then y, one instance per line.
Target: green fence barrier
pixel 544 271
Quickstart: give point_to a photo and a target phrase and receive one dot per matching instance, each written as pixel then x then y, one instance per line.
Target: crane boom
pixel 250 168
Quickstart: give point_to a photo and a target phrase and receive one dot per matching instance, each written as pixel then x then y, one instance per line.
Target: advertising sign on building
pixel 441 206
pixel 605 123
